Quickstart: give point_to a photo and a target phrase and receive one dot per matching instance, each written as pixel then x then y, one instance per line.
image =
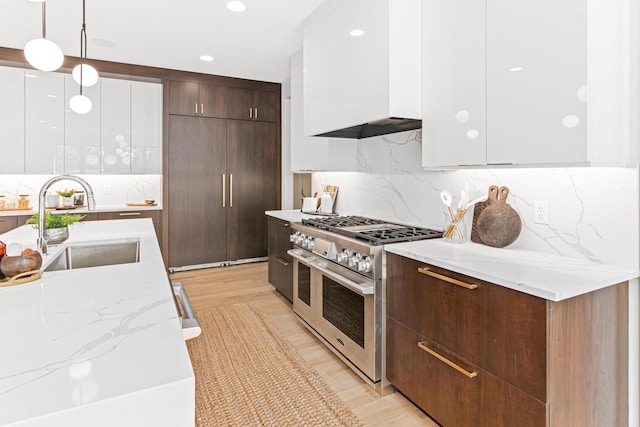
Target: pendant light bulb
pixel 89 75
pixel 80 104
pixel 43 54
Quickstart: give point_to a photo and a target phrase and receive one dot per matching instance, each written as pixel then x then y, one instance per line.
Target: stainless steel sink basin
pixel 95 255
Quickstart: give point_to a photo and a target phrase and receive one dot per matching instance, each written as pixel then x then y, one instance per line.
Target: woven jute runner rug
pixel 248 374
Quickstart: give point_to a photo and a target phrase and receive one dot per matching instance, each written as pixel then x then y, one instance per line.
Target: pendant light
pixel 81 104
pixel 84 74
pixel 41 53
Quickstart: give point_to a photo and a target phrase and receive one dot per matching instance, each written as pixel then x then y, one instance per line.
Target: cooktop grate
pixel 381 232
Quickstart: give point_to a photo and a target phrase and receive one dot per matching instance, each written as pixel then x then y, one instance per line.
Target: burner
pixel 373 231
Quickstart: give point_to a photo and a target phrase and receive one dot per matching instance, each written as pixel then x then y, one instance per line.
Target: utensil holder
pixel 456 231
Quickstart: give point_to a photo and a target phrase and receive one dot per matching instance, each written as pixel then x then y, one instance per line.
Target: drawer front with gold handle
pixel 425 270
pixel 130 214
pixel 468 374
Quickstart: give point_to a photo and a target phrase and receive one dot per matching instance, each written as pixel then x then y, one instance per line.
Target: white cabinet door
pixel 146 128
pixel 115 126
pixel 536 81
pixel 12 120
pixel 44 122
pixel 82 131
pixel 454 102
pixel 307 153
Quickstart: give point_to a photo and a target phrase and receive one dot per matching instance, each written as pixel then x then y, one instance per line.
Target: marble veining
pixel 593 212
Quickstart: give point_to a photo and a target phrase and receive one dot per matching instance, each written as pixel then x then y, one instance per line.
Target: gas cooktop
pixel 373 231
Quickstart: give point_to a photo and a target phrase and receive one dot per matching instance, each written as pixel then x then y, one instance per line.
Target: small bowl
pixel 12 265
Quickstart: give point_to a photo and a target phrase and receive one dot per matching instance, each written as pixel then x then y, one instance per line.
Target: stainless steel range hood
pixel 371 85
pixel 377 128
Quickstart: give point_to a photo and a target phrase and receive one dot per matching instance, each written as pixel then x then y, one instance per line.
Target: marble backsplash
pixel 110 191
pixel 593 212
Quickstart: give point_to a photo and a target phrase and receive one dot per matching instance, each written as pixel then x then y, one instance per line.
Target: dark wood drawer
pixel 436 304
pixel 448 396
pixel 281 274
pixel 155 215
pixel 8 223
pixel 279 232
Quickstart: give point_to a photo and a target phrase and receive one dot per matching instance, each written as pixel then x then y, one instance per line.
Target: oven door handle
pixel 365 288
pixel 295 253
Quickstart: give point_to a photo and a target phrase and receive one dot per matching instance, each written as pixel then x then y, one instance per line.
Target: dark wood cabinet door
pixel 196 165
pixel 247 104
pixel 514 339
pixel 444 312
pixel 184 98
pixel 213 101
pixel 266 106
pixel 251 162
pixel 445 394
pixel 239 103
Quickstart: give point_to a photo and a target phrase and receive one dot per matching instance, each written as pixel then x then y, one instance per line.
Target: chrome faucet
pixel 91 204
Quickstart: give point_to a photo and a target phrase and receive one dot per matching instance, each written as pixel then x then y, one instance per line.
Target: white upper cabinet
pixel 453 100
pixel 146 128
pixel 536 81
pixel 82 131
pixel 12 120
pixel 556 90
pixel 44 122
pixel 350 81
pixel 115 126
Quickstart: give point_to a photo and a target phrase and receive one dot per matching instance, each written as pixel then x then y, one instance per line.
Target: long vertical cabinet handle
pixel 230 190
pixel 250 113
pixel 255 116
pixel 202 109
pixel 468 374
pixel 224 189
pixel 196 108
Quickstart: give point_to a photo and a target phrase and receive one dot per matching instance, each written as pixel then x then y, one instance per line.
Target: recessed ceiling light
pixel 206 58
pixel 236 6
pixel 356 33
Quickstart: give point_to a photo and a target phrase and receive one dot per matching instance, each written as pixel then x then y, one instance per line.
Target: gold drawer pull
pixel 282 261
pixel 425 270
pixel 130 214
pixel 458 368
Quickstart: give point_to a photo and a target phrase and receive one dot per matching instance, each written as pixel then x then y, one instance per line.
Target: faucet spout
pixel 91 204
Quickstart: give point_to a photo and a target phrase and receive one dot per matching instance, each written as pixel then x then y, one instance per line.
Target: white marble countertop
pixel 548 276
pixel 94 346
pixel 292 215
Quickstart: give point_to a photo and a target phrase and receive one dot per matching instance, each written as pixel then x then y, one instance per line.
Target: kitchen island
pixel 99 346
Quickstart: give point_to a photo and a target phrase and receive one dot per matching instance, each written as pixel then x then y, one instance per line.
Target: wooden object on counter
pixel 538 363
pixel 18 279
pixel 499 225
pixel 478 208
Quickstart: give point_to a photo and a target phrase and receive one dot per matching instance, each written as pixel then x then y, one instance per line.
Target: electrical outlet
pixel 107 190
pixel 541 212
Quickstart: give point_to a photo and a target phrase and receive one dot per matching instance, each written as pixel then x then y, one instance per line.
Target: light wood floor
pixel 248 284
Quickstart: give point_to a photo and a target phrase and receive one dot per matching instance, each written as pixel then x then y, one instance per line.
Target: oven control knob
pixel 344 255
pixel 365 265
pixel 354 260
pixel 311 242
pixel 294 237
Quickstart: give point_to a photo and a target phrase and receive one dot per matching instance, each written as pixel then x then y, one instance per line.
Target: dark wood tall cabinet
pixel 222 175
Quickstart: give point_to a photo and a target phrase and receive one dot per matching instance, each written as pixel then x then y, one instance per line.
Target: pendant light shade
pixel 43 54
pixel 84 74
pixel 89 75
pixel 80 104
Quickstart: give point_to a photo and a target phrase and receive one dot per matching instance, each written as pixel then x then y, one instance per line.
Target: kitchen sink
pixel 96 255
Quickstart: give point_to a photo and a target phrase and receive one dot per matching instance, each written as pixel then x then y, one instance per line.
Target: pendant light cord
pixel 83 44
pixel 44 19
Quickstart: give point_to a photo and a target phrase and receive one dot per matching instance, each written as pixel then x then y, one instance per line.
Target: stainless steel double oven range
pixel 337 284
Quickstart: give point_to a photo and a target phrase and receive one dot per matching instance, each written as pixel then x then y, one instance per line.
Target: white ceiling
pixel 255 44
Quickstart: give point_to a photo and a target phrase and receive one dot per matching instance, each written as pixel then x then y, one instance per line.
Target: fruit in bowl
pixel 29 260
